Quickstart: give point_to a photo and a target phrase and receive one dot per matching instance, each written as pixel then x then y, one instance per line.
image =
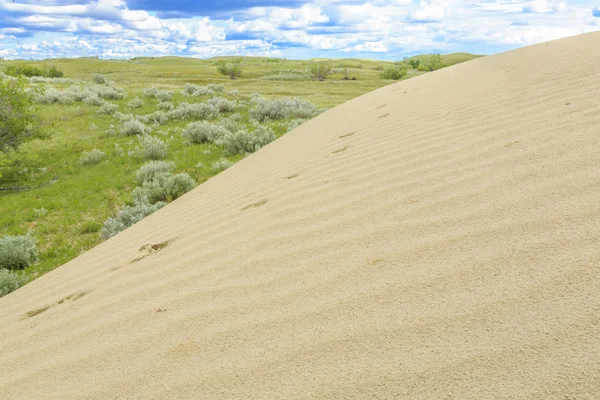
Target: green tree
pixel 232 69
pixel 18 122
pixel 320 71
pixel 396 72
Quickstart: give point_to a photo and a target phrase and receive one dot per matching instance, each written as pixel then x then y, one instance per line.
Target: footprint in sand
pixel 340 150
pixel 346 135
pixel 381 106
pixel 254 205
pixel 384 115
pixel 292 176
pixel 69 298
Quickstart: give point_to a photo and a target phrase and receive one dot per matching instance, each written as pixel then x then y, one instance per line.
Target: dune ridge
pixel 436 238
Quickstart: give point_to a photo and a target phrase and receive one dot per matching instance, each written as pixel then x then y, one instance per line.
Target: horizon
pixel 292 29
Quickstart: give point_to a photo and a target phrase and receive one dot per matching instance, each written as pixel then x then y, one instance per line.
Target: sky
pixel 294 29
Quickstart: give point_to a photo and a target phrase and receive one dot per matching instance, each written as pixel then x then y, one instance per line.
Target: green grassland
pixel 66 214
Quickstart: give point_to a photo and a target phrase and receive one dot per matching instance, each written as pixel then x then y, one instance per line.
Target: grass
pixel 83 197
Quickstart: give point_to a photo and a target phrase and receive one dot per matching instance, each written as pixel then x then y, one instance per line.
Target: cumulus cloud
pixel 375 28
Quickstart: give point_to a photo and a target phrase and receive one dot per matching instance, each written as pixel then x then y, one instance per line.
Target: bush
pixel 294 124
pixel 164 186
pixel 152 168
pixel 91 157
pixel 243 141
pixel 150 92
pixel 283 108
pixel 395 72
pixel 17 252
pixel 108 108
pixel 222 104
pixel 319 71
pixel 152 148
pixel 135 103
pixel 30 71
pixel 131 127
pixel 99 79
pixel 232 70
pixel 18 122
pixel 222 164
pixel 165 106
pixel 163 95
pixel 195 90
pixel 159 117
pixel 9 282
pixel 52 96
pixel 290 75
pixel 216 87
pixel 193 111
pixel 93 101
pixel 128 216
pixel 203 132
pixel 231 123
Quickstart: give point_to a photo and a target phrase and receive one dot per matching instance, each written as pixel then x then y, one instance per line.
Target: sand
pixel 438 238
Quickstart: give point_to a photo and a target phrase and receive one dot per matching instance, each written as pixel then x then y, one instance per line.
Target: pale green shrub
pixel 108 108
pixel 17 252
pixel 193 111
pixel 165 106
pixel 152 168
pixel 243 141
pixel 99 79
pixel 283 108
pixel 152 148
pixel 132 127
pixel 203 132
pixel 164 186
pixel 91 157
pixel 135 103
pixel 128 216
pixel 222 104
pixel 9 282
pixel 221 164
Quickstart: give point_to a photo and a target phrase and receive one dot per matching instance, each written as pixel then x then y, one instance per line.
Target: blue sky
pixel 382 29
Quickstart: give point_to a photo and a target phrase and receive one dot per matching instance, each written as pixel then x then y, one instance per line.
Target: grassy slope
pixel 83 197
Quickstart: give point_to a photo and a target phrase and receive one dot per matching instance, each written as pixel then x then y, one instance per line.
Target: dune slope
pixel 437 238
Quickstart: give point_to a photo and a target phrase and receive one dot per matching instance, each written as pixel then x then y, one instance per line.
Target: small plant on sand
pixel 242 141
pixel 164 186
pixel 128 216
pixel 221 165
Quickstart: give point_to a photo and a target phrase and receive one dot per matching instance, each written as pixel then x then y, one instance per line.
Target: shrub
pixel 164 186
pixel 195 90
pixel 231 123
pixel 395 72
pixel 193 111
pixel 30 71
pixel 99 79
pixel 292 75
pixel 163 95
pixel 243 141
pixel 165 106
pixel 283 108
pixel 150 92
pixel 93 101
pixel 319 71
pixel 222 164
pixel 232 70
pixel 294 124
pixel 203 132
pixel 108 108
pixel 222 104
pixel 17 252
pixel 51 96
pixel 128 216
pixel 152 148
pixel 152 168
pixel 234 92
pixel 18 120
pixel 135 103
pixel 132 127
pixel 9 282
pixel 414 63
pixel 91 157
pixel 216 87
pixel 159 117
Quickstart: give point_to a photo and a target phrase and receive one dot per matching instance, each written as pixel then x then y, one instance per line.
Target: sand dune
pixel 438 238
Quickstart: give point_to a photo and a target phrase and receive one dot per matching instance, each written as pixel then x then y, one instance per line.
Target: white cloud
pixel 544 6
pixel 428 12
